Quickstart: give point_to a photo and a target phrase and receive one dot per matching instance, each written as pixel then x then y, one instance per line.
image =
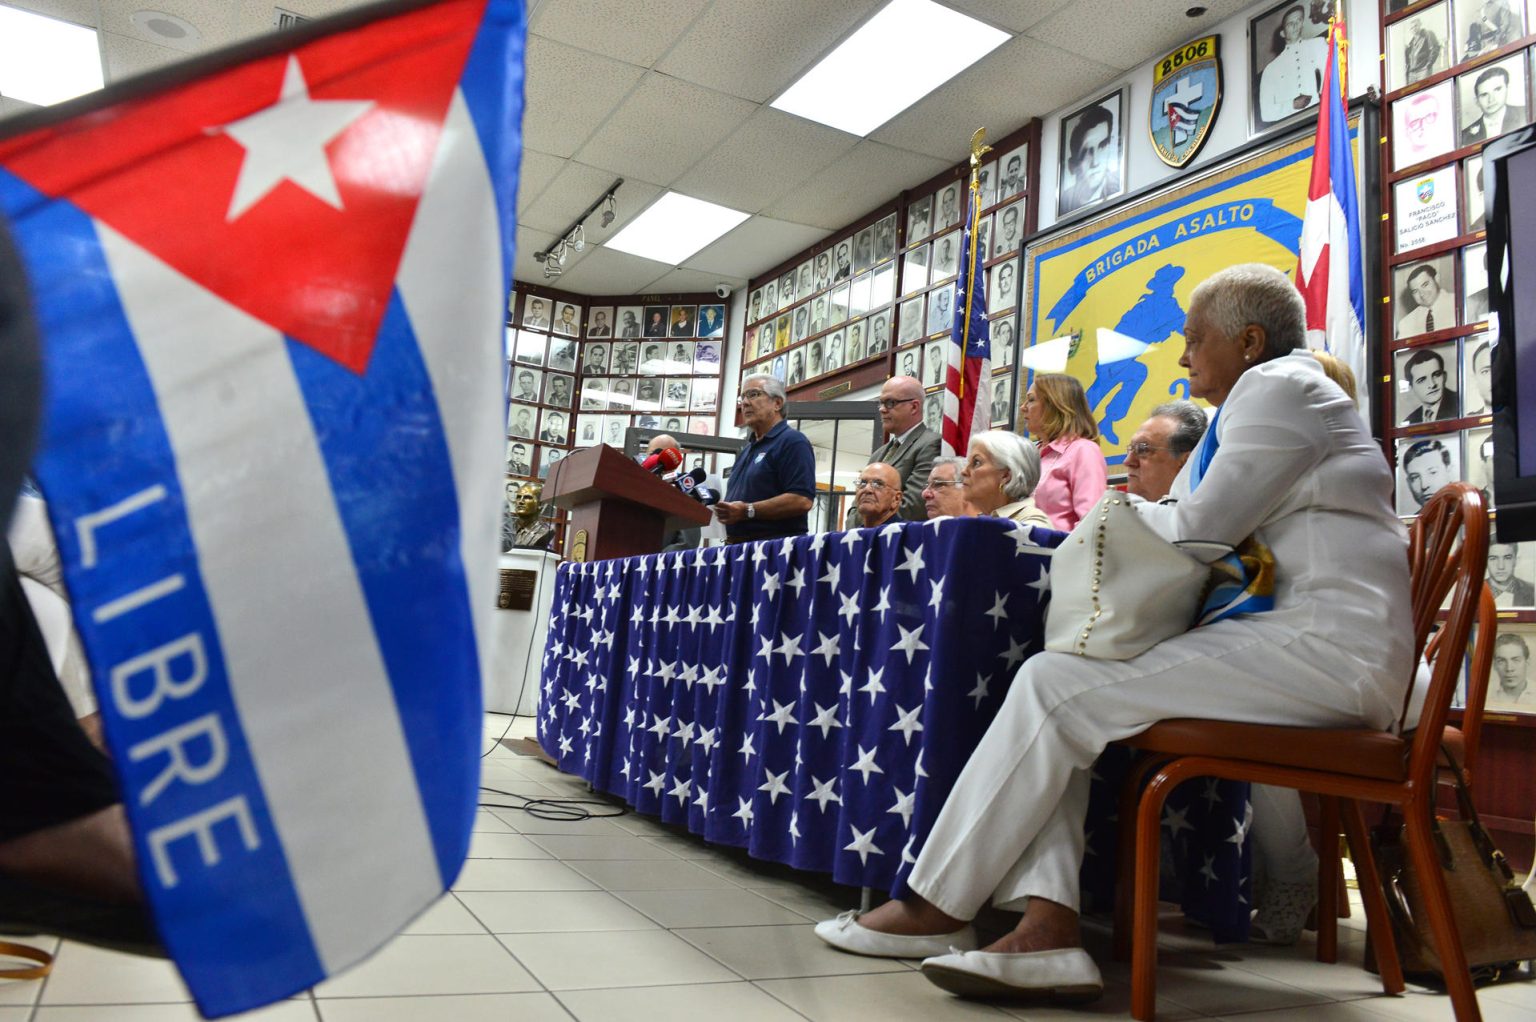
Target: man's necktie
pixel 1429 321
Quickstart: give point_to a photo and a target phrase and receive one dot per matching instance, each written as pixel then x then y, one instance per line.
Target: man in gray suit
pixel 909 449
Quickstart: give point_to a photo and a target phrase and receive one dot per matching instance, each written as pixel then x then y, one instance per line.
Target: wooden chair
pixel 1447 553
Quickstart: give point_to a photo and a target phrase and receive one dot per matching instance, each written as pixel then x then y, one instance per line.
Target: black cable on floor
pixel 555 808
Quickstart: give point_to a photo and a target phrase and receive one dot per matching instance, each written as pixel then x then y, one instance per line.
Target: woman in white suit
pixel 1288 461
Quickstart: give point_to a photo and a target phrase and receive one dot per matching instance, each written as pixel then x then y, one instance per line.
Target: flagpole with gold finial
pixel 979 148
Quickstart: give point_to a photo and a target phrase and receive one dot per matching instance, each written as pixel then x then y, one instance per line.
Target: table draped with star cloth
pixel 813 700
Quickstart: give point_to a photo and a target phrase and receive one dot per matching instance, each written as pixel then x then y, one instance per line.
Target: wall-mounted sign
pixel 1186 94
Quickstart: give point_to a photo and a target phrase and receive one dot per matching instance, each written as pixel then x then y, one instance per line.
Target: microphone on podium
pixel 667 459
pixel 692 483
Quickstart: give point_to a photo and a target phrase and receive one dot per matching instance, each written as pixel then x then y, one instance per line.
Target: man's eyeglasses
pixel 1141 448
pixel 876 483
pixel 887 403
pixel 939 484
pixel 751 395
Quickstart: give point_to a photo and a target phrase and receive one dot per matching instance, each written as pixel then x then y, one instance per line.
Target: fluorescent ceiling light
pixel 44 60
pixel 846 91
pixel 674 228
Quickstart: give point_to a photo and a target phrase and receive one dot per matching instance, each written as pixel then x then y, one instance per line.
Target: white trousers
pixel 1282 852
pixel 1012 828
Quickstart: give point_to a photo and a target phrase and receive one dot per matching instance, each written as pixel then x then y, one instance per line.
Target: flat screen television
pixel 1509 175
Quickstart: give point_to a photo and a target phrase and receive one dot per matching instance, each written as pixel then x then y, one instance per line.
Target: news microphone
pixel 668 459
pixel 692 483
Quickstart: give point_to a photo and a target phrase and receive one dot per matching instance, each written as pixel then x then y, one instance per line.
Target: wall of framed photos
pixel 582 370
pixel 877 299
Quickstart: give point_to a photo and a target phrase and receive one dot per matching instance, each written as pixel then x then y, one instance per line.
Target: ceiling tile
pixel 602 271
pixel 10 107
pixel 568 93
pixel 766 157
pixel 1009 15
pixel 987 94
pixel 1126 35
pixel 754 50
pixel 753 246
pixel 128 56
pixel 868 175
pixel 214 22
pixel 534 174
pixel 81 12
pixel 573 190
pixel 662 129
pixel 684 280
pixel 645 30
pixel 258 17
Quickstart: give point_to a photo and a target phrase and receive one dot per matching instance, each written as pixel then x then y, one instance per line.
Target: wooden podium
pixel 618 509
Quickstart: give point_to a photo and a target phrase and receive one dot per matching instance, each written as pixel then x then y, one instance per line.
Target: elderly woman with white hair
pixel 1288 461
pixel 1001 470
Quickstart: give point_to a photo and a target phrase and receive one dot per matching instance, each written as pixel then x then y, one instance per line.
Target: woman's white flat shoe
pixel 845 934
pixel 1066 975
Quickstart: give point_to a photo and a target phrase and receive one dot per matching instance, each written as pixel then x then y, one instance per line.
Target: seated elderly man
pixel 1001 471
pixel 943 495
pixel 1161 446
pixel 877 495
pixel 1288 461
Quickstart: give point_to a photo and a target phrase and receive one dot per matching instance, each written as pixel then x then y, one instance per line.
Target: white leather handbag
pixel 1118 588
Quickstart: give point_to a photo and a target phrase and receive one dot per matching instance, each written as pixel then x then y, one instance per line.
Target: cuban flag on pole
pixel 1331 271
pixel 270 285
pixel 967 411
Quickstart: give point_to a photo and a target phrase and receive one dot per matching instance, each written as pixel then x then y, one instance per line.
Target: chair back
pixel 1447 554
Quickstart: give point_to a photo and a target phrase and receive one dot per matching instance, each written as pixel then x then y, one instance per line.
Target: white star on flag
pixel 833 577
pixel 743 811
pixel 999 612
pixel 850 608
pixel 910 641
pixel 884 604
pixel 656 783
pixel 821 793
pixel 789 647
pixel 980 691
pixel 826 719
pixel 783 713
pixel 907 722
pixel 904 805
pixel 865 764
pixel 681 790
pixel 1174 820
pixel 774 786
pixel 864 843
pixel 286 142
pixel 873 685
pixel 746 750
pixel 797 582
pixel 913 564
pixel 828 647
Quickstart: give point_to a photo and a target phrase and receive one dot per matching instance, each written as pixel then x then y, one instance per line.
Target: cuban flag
pixel 970 352
pixel 1331 270
pixel 270 286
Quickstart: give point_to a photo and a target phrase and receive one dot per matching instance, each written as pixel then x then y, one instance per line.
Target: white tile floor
pixel 625 919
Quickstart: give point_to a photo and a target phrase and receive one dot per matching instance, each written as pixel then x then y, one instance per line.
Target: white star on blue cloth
pixel 864 843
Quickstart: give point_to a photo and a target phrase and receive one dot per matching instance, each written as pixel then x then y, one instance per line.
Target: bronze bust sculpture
pixel 531 532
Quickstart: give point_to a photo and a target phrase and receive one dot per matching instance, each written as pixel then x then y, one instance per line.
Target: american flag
pixel 1330 272
pixel 812 700
pixel 970 355
pixel 270 286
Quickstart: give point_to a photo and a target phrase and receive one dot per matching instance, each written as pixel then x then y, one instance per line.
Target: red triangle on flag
pixel 287 184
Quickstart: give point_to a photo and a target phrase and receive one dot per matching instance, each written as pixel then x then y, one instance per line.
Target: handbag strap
pixel 1490 853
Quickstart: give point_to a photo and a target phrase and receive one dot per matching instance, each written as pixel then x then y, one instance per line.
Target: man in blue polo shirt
pixel 774 481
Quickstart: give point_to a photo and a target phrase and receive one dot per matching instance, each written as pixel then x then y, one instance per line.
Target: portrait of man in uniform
pixel 1288 54
pixel 520 421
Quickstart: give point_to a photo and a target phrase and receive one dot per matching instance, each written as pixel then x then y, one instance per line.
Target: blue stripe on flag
pixel 492 86
pixel 109 408
pixel 384 448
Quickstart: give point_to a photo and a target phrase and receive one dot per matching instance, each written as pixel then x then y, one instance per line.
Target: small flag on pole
pixel 1330 272
pixel 967 411
pixel 270 286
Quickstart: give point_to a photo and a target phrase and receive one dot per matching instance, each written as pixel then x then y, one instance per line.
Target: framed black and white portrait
pixel 1424 465
pixel 950 206
pixel 621 395
pixel 908 363
pixel 1287 52
pixel 920 219
pixel 941 310
pixel 511 306
pixel 525 384
pixel 805 283
pixel 859 338
pixel 600 321
pixel 706 357
pixel 1477 461
pixel 858 295
pixel 562 355
pixel 520 421
pixel 864 249
pixel 1509 683
pixel 823 263
pixel 914 270
pixel 770 297
pixel 1004 350
pixel 648 395
pixel 1003 288
pixel 554 426
pixel 986 184
pixel 711 321
pixel 530 348
pixel 629 322
pixel 1418 46
pixel 548 458
pixel 818 318
pixel 558 390
pixel 1012 173
pixel 536 312
pixel 1009 235
pixel 984 236
pixel 946 256
pixel 674 395
pixel 1483 26
pixel 837 306
pixel 815 363
pixel 796 368
pixel 1492 100
pixel 594 360
pixel 1092 154
pixel 567 319
pixel 842 260
pixel 885 238
pixel 653 354
pixel 706 394
pixel 837 347
pixel 787 292
pixel 910 325
pixel 626 358
pixel 1423 125
pixel 680 356
pixel 882 285
pixel 935 358
pixel 1474 210
pixel 1474 283
pixel 1477 374
pixel 519 458
pixel 1000 402
pixel 1425 293
pixel 1427 384
pixel 656 317
pixel 1512 574
pixel 878 335
pixel 933 412
pixel 594 394
pixel 613 430
pixel 779 367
